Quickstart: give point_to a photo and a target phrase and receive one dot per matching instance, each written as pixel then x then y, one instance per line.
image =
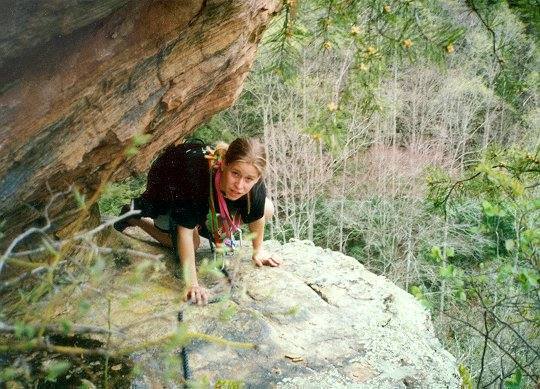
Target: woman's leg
pixel 161 236
pixel 196 238
pixel 268 209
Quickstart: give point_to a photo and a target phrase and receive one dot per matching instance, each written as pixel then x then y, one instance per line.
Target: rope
pixel 186 369
pixel 184 355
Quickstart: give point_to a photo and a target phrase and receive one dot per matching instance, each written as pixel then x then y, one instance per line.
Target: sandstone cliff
pixel 79 79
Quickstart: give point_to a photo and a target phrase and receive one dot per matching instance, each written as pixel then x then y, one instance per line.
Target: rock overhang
pixel 82 82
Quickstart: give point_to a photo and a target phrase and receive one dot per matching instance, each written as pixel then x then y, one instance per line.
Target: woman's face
pixel 238 178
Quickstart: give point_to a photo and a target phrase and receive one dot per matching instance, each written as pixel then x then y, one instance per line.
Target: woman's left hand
pixel 263 258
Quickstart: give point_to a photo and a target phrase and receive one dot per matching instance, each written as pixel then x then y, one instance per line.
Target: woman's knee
pixel 268 209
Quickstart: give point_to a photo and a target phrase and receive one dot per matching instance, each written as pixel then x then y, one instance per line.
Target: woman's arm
pixel 186 252
pixel 260 257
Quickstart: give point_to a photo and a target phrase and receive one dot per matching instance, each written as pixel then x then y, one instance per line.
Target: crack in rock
pixel 316 289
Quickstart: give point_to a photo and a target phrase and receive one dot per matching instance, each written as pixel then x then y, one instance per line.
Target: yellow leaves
pixel 449 48
pixel 483 168
pixel 371 50
pixel 466 378
pixel 363 67
pixel 332 107
pixel 502 178
pixel 517 187
pixel 327 45
pixel 355 30
pixel 288 32
pixel 407 43
pixel 317 137
pixel 532 158
pixel 387 9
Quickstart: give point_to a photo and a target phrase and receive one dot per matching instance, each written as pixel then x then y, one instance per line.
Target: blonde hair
pixel 248 150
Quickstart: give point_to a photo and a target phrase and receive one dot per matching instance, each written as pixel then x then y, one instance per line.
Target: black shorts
pixel 161 214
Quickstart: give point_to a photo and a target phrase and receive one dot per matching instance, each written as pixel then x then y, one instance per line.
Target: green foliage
pixel 79 198
pixel 438 254
pixel 121 193
pixel 66 326
pixel 529 12
pixel 228 312
pixel 528 279
pixel 229 384
pixel 515 381
pixel 466 379
pixel 208 268
pixel 24 331
pixel 503 186
pixel 137 142
pixel 84 307
pixel 10 373
pixel 510 51
pixel 55 369
pixel 240 120
pixel 418 293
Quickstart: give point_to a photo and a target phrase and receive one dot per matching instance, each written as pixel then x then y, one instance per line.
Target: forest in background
pixel 415 149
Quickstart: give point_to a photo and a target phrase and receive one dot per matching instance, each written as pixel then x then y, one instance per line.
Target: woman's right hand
pixel 197 295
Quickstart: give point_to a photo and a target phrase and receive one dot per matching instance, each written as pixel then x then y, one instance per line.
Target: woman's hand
pixel 197 295
pixel 263 258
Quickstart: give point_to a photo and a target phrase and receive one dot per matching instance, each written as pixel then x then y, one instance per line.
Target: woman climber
pixel 193 190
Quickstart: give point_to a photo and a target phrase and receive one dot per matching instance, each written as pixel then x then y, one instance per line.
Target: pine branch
pixel 475 9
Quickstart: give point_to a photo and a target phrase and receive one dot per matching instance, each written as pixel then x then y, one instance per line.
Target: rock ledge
pixel 320 320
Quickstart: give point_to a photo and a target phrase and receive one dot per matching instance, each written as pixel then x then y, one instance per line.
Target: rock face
pixel 79 79
pixel 321 320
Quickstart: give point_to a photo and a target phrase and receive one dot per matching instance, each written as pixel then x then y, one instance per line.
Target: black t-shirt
pixel 179 182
